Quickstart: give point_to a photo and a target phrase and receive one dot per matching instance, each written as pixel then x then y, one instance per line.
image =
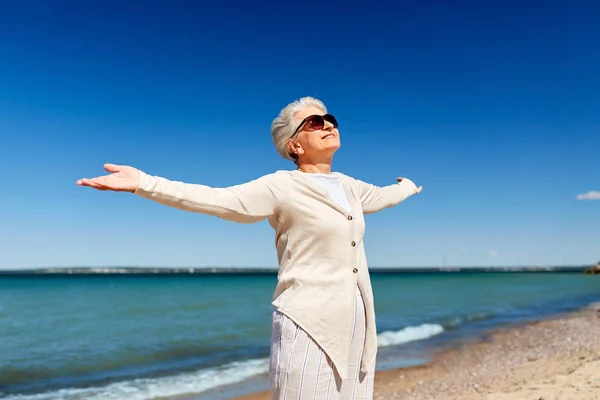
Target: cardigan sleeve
pixel 375 198
pixel 248 202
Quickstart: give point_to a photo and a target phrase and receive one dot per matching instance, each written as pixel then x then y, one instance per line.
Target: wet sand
pixel 555 359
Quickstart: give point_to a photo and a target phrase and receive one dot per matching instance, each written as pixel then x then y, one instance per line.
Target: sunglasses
pixel 316 122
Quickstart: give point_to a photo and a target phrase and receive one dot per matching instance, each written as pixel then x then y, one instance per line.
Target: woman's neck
pixel 318 168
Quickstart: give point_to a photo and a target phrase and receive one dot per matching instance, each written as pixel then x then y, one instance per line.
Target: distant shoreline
pixel 273 271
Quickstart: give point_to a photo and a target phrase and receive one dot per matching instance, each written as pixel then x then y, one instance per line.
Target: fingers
pixel 93 183
pixel 99 182
pixel 112 167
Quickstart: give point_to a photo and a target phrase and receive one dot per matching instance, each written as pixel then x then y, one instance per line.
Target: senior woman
pixel 324 339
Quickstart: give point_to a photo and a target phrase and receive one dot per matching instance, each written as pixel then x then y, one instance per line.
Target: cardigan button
pixel 353 243
pixel 349 217
pixel 355 270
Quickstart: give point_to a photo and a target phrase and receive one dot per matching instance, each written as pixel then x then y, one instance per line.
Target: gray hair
pixel 284 125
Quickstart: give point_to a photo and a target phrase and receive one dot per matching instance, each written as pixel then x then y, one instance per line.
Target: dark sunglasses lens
pixel 316 122
pixel 331 119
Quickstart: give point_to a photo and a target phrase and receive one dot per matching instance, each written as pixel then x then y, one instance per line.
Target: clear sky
pixel 492 108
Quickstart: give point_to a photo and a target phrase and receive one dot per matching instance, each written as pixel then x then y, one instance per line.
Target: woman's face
pixel 313 144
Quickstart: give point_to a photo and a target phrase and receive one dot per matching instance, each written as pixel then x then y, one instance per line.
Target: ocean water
pixel 140 337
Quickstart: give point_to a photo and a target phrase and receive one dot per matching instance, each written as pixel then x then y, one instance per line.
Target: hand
pixel 417 190
pixel 122 179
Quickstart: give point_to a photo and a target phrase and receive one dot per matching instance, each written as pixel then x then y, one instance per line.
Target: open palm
pixel 122 179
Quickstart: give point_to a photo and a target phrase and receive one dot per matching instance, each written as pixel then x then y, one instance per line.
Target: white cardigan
pixel 319 246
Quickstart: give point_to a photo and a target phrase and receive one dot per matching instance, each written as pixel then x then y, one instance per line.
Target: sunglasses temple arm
pixel 298 128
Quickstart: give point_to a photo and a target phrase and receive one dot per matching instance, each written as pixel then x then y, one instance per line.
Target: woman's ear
pixel 295 147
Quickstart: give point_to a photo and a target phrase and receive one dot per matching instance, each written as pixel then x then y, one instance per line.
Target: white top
pixel 332 184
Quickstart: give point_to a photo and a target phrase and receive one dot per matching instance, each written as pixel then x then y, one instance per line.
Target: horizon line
pixel 271 268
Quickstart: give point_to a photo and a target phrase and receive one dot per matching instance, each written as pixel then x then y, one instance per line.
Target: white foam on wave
pixel 150 388
pixel 408 334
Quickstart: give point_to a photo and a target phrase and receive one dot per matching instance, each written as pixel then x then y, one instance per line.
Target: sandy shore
pixel 555 359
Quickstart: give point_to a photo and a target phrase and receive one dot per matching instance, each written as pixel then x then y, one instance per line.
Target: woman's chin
pixel 332 144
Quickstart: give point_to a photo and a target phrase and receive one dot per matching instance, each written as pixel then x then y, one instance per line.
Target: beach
pixel 549 359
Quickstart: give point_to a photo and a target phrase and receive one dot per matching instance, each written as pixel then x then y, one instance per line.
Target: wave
pixel 204 379
pixel 150 388
pixel 408 334
pixel 459 320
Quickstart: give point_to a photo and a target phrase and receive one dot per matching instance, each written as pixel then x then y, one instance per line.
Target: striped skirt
pixel 300 370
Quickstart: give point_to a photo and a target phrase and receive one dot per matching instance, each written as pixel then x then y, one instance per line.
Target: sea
pixel 206 336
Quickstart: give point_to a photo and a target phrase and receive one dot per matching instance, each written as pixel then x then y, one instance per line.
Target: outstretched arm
pixel 375 198
pixel 245 203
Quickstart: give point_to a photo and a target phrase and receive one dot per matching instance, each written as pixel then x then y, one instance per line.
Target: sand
pixel 557 359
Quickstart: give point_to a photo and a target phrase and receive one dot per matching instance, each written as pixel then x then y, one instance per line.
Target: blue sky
pixel 492 108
